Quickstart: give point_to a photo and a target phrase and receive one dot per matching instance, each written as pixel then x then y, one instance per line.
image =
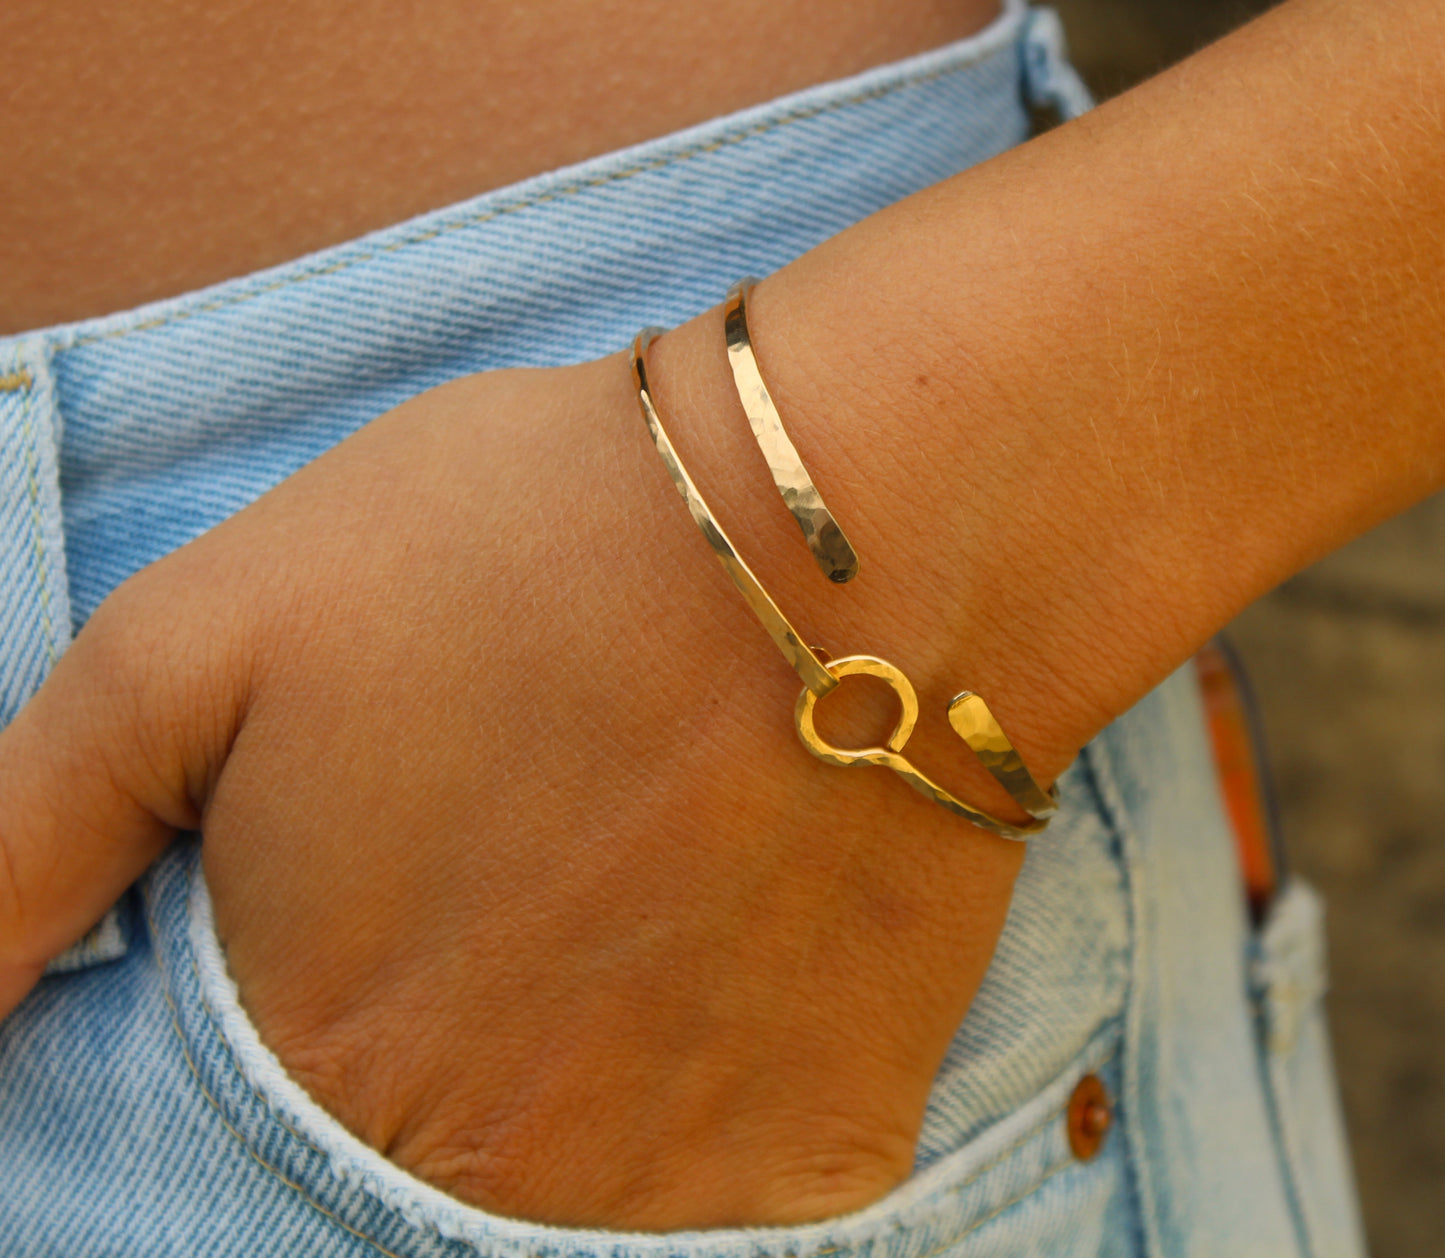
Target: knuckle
pixel 151 689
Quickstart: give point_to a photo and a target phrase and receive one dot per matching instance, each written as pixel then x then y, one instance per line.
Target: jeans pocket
pixel 288 1178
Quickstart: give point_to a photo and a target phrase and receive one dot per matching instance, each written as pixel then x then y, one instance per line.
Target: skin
pixel 156 147
pixel 1114 386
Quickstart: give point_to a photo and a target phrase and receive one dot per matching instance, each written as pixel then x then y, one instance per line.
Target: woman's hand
pixel 516 858
pixel 517 861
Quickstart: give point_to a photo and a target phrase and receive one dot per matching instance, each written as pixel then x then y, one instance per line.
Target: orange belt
pixel 1238 754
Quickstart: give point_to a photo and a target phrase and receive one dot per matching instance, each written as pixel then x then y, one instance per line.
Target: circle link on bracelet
pixel 968 714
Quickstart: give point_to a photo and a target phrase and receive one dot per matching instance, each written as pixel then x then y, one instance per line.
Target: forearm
pixel 1078 406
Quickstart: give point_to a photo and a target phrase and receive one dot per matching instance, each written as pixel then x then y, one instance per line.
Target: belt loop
pixel 34 592
pixel 1050 80
pixel 1289 971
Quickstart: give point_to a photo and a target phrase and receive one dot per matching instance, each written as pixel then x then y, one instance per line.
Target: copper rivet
pixel 1090 1117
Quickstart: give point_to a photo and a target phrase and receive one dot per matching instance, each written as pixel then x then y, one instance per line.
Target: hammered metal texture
pixel 825 538
pixel 968 714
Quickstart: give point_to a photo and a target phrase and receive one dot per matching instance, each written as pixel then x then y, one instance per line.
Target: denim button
pixel 1089 1117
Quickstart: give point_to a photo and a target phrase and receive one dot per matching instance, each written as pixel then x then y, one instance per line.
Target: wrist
pixel 873 626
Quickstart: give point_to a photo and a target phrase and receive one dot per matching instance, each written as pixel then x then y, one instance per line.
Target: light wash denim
pixel 139 1113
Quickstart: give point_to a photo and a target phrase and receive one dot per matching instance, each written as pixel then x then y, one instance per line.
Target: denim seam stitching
pixel 1113 807
pixel 979 1172
pixel 1018 1199
pixel 1048 1120
pixel 32 483
pixel 174 1019
pixel 1281 1127
pixel 801 114
pixel 214 1020
pixel 897 1225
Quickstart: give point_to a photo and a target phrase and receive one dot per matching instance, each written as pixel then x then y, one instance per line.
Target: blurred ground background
pixel 1348 660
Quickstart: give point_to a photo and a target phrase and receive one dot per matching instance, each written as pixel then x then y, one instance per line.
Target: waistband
pixel 125 436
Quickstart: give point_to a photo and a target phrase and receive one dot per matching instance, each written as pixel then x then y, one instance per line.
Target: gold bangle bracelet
pixel 968 714
pixel 825 538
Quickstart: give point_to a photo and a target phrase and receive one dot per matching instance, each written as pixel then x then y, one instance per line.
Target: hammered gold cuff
pixel 968 714
pixel 830 547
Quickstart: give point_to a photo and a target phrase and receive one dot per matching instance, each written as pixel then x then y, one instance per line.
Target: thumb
pixel 112 756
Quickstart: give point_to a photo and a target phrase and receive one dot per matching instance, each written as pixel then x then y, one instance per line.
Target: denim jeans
pixel 140 1113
